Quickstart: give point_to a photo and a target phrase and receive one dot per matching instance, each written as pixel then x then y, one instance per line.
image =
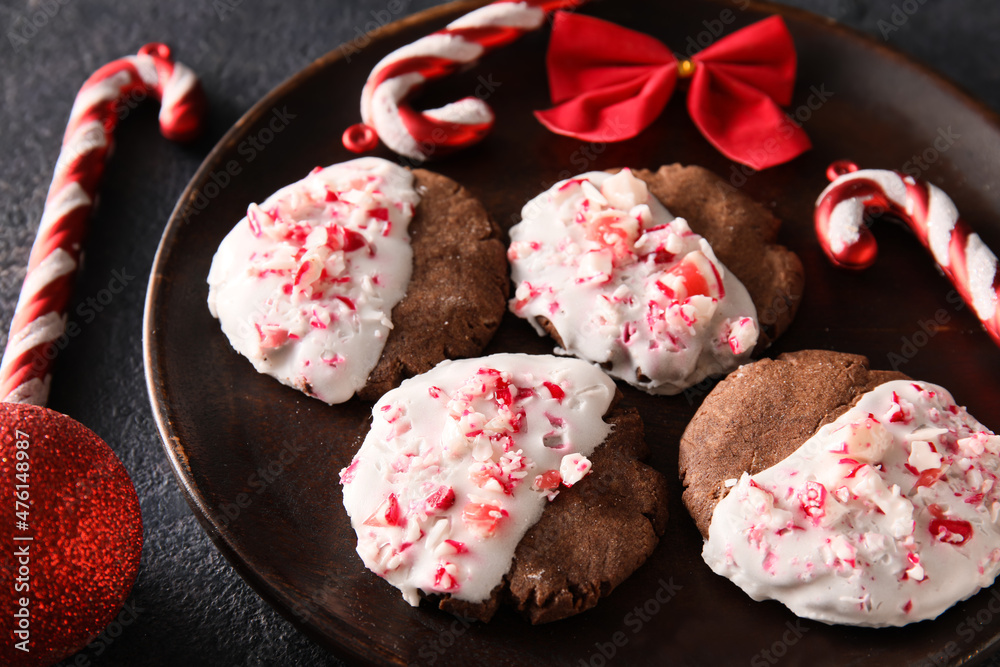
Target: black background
pixel 189 606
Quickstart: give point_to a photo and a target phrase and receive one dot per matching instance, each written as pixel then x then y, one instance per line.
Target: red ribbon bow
pixel 610 83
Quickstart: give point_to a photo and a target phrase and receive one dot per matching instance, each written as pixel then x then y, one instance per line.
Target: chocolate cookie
pixel 742 233
pixel 590 538
pixel 457 292
pixel 763 412
pixel 357 276
pixel 603 264
pixel 513 479
pixel 619 280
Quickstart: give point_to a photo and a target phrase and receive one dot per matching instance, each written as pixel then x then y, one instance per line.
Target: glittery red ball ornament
pixel 73 534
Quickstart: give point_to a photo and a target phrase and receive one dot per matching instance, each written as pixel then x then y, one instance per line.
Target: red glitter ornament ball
pixel 74 534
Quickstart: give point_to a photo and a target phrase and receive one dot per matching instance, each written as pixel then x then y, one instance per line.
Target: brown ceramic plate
pixel 259 462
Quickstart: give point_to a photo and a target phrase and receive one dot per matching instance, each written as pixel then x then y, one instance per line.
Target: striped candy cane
pixel 419 134
pixel 39 318
pixel 928 211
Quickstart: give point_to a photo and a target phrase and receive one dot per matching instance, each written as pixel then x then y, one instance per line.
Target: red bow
pixel 610 83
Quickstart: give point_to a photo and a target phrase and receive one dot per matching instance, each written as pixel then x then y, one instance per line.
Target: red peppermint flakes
pixel 699 276
pixel 441 499
pixel 271 337
pixel 555 390
pixel 950 531
pixel 387 514
pixel 347 474
pixel 459 547
pixel 482 519
pixel 443 579
pixel 929 477
pixel 812 500
pixel 548 480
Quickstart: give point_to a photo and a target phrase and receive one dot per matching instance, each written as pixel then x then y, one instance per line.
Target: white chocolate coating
pixel 628 285
pixel 461 461
pixel 304 286
pixel 886 516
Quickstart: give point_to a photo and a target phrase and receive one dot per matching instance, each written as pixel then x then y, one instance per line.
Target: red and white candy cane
pixel 419 134
pixel 39 318
pixel 843 233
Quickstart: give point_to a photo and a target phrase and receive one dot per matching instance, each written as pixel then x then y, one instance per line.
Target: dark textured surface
pixel 188 605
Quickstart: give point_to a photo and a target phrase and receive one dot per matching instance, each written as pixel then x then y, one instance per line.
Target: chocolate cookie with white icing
pixel 851 496
pixel 496 480
pixel 357 276
pixel 603 263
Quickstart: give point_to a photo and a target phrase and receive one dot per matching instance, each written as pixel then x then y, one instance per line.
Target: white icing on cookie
pixel 461 461
pixel 884 517
pixel 305 284
pixel 628 285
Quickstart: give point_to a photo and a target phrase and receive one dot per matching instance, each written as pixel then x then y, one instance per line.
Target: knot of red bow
pixel 610 83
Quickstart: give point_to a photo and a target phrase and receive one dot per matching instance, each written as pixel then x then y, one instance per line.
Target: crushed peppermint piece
pixel 627 285
pixel 573 468
pixel 313 273
pixel 886 516
pixel 922 456
pixel 441 506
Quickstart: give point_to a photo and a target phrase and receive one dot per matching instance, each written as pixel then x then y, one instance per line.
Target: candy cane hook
pixel 855 194
pixel 418 135
pixel 39 318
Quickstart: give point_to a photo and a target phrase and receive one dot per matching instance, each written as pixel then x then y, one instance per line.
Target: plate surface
pixel 259 462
